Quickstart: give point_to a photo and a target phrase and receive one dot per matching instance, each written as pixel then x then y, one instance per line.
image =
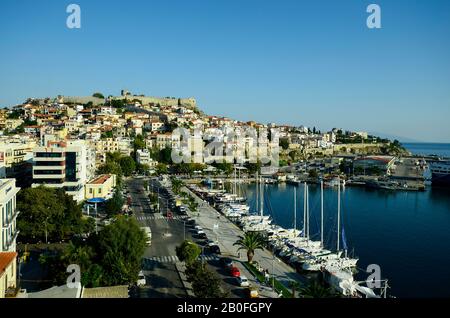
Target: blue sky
pixel 295 62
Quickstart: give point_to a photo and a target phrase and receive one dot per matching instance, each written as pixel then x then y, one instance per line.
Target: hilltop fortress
pixel 142 99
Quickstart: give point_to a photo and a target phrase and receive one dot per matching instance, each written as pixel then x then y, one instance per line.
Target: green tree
pixel 253 168
pixel 127 165
pixel 120 247
pixel 161 168
pixel 284 143
pixel 139 142
pixel 317 290
pixel 98 95
pixel 107 134
pixel 294 285
pixel 205 283
pixel 111 167
pixel 250 242
pixel 82 255
pixel 177 184
pixel 313 174
pixel 142 168
pixel 188 252
pixel 226 167
pixel 48 213
pixel 114 205
pixel 165 155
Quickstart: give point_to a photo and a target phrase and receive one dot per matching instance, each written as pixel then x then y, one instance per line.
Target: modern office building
pixel 63 164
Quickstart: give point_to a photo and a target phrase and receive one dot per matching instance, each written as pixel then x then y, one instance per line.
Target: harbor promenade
pixel 217 227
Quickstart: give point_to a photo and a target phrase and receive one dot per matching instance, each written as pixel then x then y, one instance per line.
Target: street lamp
pixel 273 271
pixel 46 225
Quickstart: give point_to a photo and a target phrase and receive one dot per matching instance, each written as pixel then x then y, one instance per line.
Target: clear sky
pixel 296 62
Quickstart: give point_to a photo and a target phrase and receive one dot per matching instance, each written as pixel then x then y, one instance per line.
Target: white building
pixel 8 210
pixel 63 164
pixel 143 157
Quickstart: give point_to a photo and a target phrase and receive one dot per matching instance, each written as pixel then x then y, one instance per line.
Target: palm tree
pixel 317 290
pixel 250 242
pixel 176 185
pixel 294 285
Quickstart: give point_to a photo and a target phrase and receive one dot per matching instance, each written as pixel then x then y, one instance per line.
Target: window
pixel 48 154
pixel 71 166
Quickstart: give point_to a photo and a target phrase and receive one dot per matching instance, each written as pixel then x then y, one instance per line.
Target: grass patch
pixel 279 287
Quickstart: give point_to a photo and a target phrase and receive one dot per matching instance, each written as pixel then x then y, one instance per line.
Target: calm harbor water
pixel 406 233
pixel 440 149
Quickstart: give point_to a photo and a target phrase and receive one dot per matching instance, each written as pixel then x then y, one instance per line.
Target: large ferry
pixel 439 170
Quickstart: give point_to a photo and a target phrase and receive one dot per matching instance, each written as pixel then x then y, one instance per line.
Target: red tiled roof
pixel 6 258
pixel 101 179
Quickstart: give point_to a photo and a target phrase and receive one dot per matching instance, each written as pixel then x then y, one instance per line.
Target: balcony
pixel 10 219
pixel 7 244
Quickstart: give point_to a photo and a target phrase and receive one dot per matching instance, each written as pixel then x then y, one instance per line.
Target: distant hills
pixel 393 137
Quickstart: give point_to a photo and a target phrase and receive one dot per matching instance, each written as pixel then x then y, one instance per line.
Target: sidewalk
pixel 227 233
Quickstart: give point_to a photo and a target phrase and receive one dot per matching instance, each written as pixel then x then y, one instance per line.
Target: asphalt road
pixel 159 268
pixel 162 277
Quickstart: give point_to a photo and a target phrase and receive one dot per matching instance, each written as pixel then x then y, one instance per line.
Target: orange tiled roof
pixel 6 258
pixel 101 179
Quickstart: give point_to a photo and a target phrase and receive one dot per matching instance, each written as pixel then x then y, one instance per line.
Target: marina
pixel 379 227
pixel 295 246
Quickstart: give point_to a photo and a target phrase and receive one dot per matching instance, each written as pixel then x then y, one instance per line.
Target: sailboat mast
pixel 339 215
pixel 304 211
pixel 261 197
pixel 257 192
pixel 307 210
pixel 321 212
pixel 295 209
pixel 235 192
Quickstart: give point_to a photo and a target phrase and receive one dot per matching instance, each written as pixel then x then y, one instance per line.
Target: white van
pixel 148 233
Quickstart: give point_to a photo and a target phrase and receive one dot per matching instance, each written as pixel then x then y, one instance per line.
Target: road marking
pixel 158 217
pixel 174 259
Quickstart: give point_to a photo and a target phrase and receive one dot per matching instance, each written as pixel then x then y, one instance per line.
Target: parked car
pixel 141 279
pixel 210 243
pixel 226 262
pixel 234 272
pixel 243 281
pixel 214 249
pixel 202 235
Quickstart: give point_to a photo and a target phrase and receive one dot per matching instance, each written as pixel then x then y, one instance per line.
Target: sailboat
pixel 319 260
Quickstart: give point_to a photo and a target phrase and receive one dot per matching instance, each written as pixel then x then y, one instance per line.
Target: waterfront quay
pixel 226 233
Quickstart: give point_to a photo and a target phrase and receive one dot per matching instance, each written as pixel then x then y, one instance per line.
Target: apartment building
pixel 143 157
pixel 63 164
pixel 16 156
pixel 8 217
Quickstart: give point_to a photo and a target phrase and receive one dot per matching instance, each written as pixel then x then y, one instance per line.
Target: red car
pixel 235 272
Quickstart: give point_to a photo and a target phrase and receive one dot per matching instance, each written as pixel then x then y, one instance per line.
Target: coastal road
pixel 228 233
pixel 163 280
